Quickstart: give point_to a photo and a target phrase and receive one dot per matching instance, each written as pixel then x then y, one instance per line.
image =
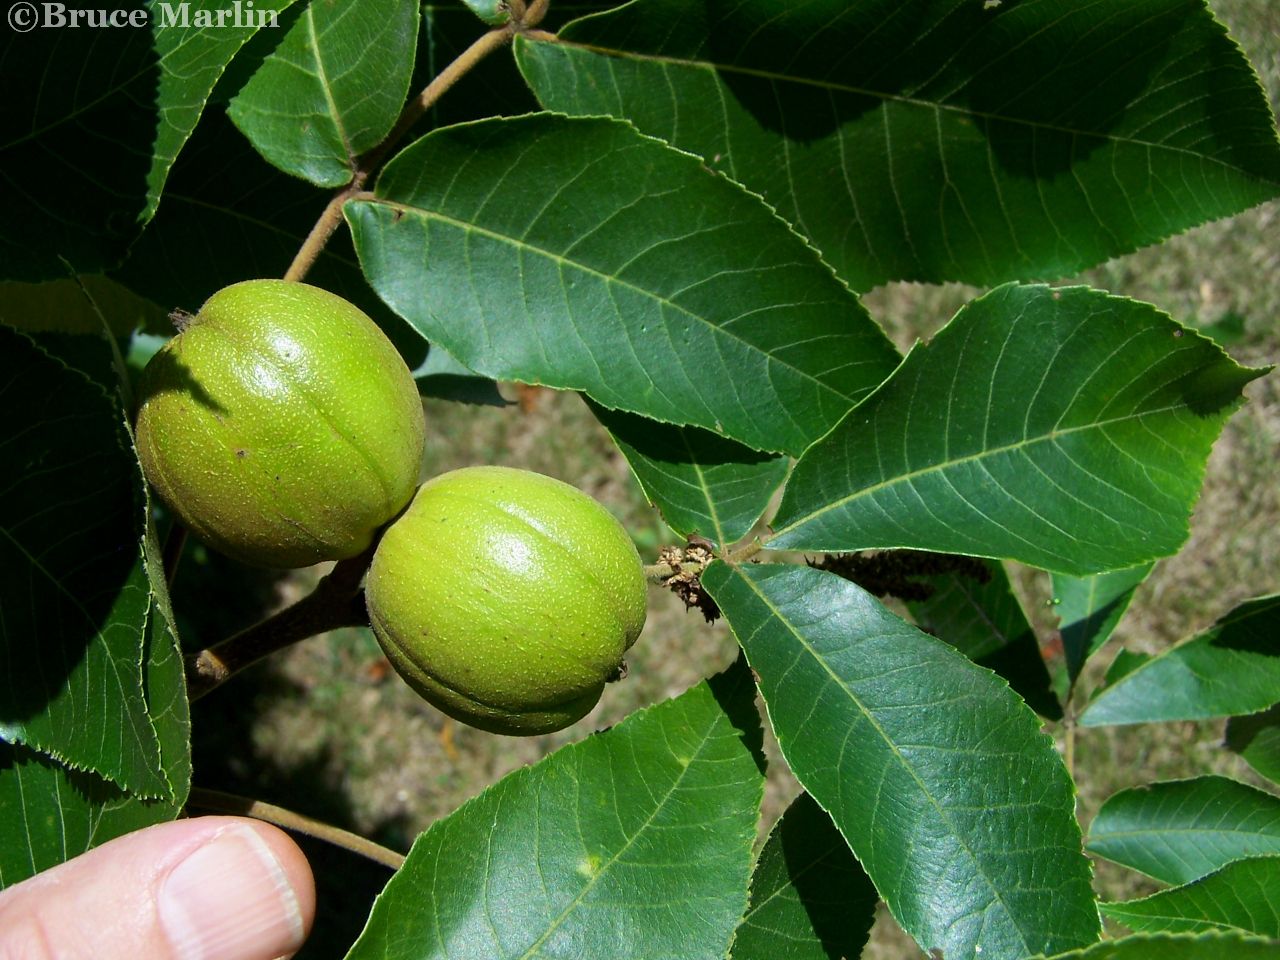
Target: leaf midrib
pixel 943 814
pixel 569 263
pixel 1024 443
pixel 716 67
pixel 555 923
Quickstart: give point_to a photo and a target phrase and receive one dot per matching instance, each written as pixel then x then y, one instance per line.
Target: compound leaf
pixel 579 254
pixel 940 139
pixel 635 842
pixel 937 775
pixel 1063 428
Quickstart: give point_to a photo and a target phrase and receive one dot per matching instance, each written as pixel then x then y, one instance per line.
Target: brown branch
pixel 220 802
pixel 324 228
pixel 337 601
pixel 366 165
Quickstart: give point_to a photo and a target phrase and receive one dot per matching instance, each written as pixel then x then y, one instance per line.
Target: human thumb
pixel 211 888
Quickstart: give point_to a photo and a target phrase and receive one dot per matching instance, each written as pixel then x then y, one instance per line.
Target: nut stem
pixel 337 601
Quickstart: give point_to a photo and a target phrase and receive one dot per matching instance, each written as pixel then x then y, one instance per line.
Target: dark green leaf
pixel 940 778
pixel 49 813
pixel 333 88
pixel 229 216
pixel 701 482
pixel 810 899
pixel 1257 739
pixel 1233 667
pixel 1245 894
pixel 1183 829
pixel 582 255
pixel 94 118
pixel 79 305
pixel 1088 610
pixel 635 842
pixel 940 139
pixel 75 596
pixel 985 622
pixel 1063 428
pixel 1185 946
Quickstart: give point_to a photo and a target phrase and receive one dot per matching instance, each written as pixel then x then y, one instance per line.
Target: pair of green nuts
pixel 282 428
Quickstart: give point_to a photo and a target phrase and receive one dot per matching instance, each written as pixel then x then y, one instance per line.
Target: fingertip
pixel 293 863
pixel 245 893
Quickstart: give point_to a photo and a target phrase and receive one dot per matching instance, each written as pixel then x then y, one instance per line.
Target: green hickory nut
pixel 506 598
pixel 281 425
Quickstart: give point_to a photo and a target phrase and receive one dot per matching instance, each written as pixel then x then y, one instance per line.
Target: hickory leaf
pixel 1244 894
pixel 938 776
pixel 984 620
pixel 702 483
pixel 1063 428
pixel 1088 610
pixel 579 254
pixel 333 88
pixel 810 899
pixel 635 842
pixel 92 120
pixel 1180 830
pixel 76 595
pixel 940 139
pixel 1233 667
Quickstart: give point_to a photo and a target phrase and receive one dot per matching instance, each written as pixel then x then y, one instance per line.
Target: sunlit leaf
pixel 1160 946
pixel 1183 829
pixel 635 842
pixel 332 89
pixel 579 254
pixel 940 139
pixel 940 778
pixel 1245 894
pixel 1063 428
pixel 1233 667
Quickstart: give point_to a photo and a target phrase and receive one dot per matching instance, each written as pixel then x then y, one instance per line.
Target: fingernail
pixel 230 899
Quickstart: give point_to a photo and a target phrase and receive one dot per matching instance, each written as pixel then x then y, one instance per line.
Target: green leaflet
pixel 332 89
pixel 940 139
pixel 578 254
pixel 1063 428
pixel 635 842
pixel 938 776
